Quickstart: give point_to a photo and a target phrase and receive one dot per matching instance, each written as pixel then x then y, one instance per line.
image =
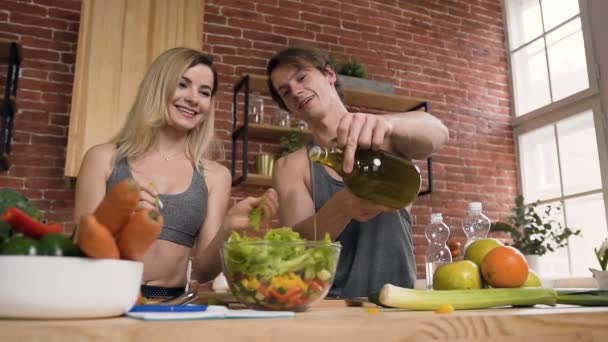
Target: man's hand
pixel 357 208
pixel 361 130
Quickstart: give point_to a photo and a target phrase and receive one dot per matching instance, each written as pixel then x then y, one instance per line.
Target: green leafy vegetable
pixel 280 251
pixel 255 218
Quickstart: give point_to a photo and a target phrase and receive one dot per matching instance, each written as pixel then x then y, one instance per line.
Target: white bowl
pixel 67 287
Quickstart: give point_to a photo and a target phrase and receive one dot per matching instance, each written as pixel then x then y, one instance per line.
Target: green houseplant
pixel 352 67
pixel 533 233
pixel 290 143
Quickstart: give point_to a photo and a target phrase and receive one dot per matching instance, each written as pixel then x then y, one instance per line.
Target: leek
pixel 402 298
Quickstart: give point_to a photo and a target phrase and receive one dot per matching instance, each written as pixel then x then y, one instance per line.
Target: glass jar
pixel 256 109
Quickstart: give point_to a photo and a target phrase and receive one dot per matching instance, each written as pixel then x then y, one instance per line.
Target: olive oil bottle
pixel 381 177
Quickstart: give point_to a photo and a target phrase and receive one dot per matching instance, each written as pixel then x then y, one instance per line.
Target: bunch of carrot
pixel 115 230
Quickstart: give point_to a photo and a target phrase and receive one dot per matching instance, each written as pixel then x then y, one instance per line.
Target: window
pixel 558 121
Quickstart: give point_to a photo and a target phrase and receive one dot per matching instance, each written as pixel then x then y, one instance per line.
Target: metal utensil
pixel 185 298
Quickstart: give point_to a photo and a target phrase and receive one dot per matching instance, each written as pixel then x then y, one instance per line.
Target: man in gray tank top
pixel 377 244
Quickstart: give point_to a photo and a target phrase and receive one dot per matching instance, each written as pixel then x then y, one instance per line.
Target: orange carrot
pixel 140 232
pixel 95 240
pixel 118 205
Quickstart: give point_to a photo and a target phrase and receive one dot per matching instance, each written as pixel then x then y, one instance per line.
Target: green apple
pixel 459 275
pixel 478 250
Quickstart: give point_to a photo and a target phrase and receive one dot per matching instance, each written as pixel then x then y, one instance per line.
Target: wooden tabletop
pixel 335 323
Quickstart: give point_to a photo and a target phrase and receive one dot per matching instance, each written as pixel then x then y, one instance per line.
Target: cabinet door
pixel 118 40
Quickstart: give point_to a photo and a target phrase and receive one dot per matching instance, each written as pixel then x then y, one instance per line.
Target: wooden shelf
pixel 354 97
pixel 257 179
pixel 273 132
pixel 5 48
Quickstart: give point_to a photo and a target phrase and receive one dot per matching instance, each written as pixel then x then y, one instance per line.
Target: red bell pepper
pixel 21 222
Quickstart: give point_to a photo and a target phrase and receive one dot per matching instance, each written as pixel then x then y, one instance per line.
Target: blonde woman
pixel 166 146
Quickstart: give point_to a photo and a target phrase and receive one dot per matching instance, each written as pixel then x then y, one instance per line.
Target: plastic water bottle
pixel 475 224
pixel 438 253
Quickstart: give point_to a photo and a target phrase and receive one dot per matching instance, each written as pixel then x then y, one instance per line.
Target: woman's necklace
pixel 168 157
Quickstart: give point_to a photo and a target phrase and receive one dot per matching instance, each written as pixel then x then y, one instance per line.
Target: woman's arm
pixel 91 182
pixel 219 222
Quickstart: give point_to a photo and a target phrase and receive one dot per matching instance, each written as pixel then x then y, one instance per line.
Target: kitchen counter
pixel 333 321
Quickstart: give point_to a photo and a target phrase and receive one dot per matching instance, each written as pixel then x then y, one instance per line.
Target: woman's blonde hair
pixel 150 111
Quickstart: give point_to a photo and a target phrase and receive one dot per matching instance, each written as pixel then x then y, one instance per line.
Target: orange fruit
pixel 505 266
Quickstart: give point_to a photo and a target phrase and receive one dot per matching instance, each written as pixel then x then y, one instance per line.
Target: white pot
pixel 601 277
pixel 534 263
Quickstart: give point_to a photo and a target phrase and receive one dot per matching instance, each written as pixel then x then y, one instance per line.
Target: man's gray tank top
pixel 183 213
pixel 375 252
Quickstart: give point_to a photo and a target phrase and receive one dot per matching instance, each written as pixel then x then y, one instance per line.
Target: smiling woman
pixel 166 146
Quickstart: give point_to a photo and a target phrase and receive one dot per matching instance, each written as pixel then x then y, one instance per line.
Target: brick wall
pixel 450 52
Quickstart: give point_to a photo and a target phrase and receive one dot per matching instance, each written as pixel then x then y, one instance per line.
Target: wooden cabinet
pixel 10 54
pixel 242 129
pixel 118 40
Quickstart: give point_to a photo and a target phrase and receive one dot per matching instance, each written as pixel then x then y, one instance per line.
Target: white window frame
pixel 595 98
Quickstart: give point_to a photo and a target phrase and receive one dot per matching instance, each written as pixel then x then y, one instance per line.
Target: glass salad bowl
pixel 280 271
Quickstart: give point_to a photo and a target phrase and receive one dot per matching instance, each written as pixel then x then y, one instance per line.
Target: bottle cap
pixel 436 217
pixel 475 206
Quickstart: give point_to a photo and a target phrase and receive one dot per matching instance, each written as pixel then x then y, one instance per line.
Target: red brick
pixel 38 21
pixel 60 119
pixel 65 4
pixel 69 15
pixel 40 32
pixel 22 7
pixel 11 182
pixel 70 37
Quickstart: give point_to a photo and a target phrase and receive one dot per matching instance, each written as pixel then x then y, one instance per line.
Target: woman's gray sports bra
pixel 183 213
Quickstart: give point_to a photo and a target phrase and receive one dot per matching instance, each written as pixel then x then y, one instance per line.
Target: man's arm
pixel 416 134
pixel 412 134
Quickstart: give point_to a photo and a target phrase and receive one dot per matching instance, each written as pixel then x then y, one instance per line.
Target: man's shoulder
pixel 293 161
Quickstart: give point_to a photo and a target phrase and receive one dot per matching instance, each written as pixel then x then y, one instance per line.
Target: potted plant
pixel 533 233
pixel 352 74
pixel 290 143
pixel 601 276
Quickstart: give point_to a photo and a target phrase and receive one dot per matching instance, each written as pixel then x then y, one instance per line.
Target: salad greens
pixel 280 251
pixel 255 218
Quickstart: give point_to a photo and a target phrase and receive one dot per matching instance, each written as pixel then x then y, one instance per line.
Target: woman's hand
pixel 148 197
pixel 237 217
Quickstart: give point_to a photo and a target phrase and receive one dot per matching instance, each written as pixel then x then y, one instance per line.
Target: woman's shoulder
pixel 215 170
pixel 101 153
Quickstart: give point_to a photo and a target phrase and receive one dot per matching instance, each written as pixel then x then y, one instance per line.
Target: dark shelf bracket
pixel 8 112
pixel 242 131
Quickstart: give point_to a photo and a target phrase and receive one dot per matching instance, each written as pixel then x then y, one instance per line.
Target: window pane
pixel 556 12
pixel 539 168
pixel 524 21
pixel 577 152
pixel 587 214
pixel 567 63
pixel 530 80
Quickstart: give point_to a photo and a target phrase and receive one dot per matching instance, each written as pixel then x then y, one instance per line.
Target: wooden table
pixel 335 323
